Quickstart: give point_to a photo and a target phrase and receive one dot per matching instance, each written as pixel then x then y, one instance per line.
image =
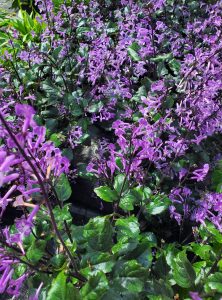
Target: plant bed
pixel 110 150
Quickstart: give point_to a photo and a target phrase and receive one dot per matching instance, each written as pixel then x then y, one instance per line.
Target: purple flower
pixel 14 287
pixel 209 209
pixel 36 295
pixel 27 112
pixel 6 276
pixel 195 296
pixel 200 174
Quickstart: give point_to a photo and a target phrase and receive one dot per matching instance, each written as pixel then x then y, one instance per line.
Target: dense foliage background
pixel 113 107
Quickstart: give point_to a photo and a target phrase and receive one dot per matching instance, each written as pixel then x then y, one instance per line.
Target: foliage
pixel 147 77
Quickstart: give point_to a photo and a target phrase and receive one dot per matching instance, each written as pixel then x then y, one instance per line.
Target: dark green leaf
pixel 133 52
pixel 161 268
pixel 72 293
pixel 36 251
pixel 106 194
pixel 121 184
pixel 58 288
pixel 124 246
pixel 98 233
pixel 51 124
pixel 58 261
pixel 174 65
pixel 142 194
pixel 214 282
pixel 157 204
pixel 162 57
pixel 96 286
pixel 63 188
pixel 159 289
pixel 127 227
pixel 127 202
pixel 183 272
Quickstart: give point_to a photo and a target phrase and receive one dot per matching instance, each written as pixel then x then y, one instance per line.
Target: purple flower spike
pixel 27 112
pixel 36 296
pixel 6 276
pixel 200 174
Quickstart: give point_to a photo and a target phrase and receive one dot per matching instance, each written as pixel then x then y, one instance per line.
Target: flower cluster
pixel 145 73
pixel 27 162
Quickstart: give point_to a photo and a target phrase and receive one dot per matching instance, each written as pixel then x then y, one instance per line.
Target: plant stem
pixel 56 197
pixel 49 206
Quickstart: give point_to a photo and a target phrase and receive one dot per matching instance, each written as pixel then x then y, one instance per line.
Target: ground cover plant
pixel 125 95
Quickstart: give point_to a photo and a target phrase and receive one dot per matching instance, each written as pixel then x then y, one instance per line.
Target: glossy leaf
pixel 182 270
pixel 106 193
pixel 121 184
pixel 63 188
pixel 96 286
pixel 214 283
pixel 58 288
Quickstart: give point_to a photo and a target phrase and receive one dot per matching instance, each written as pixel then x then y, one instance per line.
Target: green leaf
pixel 51 124
pixel 157 204
pixel 174 65
pixel 81 30
pixel 96 286
pixel 129 276
pixel 132 51
pixel 130 268
pixel 55 138
pixel 58 261
pixel 106 193
pixel 162 57
pixel 119 162
pixel 95 257
pixel 203 251
pixel 159 290
pixel 62 214
pixel 149 237
pixel 127 202
pixel 183 272
pixel 50 88
pixel 131 284
pixel 142 91
pixel 36 251
pixel 19 269
pixel 156 117
pixel 105 267
pixel 121 184
pixel 142 253
pixel 72 293
pixel 56 51
pixel 127 227
pixel 63 188
pixel 112 28
pixel 211 231
pixel 142 194
pixel 214 283
pixel 95 107
pixel 68 152
pixel 161 69
pixel 161 268
pixel 58 288
pixel 71 102
pixel 124 246
pixel 99 233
